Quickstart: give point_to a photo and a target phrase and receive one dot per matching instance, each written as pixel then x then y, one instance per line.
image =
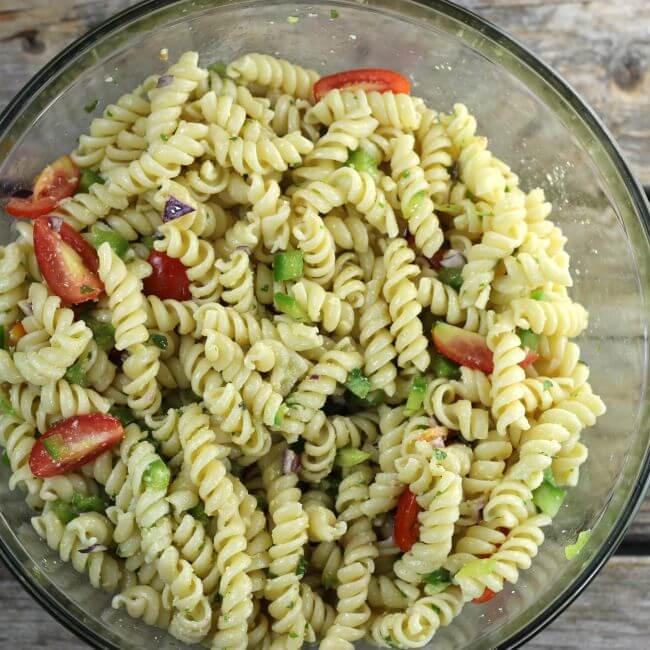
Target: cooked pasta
pixel 329 337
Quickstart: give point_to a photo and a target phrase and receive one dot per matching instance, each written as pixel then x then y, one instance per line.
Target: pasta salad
pixel 288 359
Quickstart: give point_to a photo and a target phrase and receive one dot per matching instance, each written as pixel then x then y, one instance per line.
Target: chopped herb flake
pixel 160 341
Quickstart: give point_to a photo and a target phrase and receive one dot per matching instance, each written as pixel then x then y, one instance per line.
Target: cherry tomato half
pixel 66 260
pixel 73 442
pixel 30 208
pixel 58 180
pixel 466 348
pixel 367 79
pixel 486 596
pixel 407 526
pixel 168 279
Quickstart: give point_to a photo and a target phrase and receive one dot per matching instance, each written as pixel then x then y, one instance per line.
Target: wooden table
pixel 603 49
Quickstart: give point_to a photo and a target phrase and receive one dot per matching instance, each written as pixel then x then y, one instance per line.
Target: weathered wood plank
pixel 612 613
pixel 602 48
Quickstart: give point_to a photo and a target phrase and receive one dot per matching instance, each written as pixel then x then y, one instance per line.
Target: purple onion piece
pixel 453 260
pixel 93 548
pixel 164 80
pixel 438 443
pixel 56 223
pixel 290 462
pixel 314 377
pixel 175 209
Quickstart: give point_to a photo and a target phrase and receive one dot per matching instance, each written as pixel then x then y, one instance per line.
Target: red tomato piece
pixel 68 263
pixel 16 332
pixel 58 180
pixel 531 357
pixel 367 79
pixel 486 596
pixel 466 348
pixel 407 526
pixel 30 208
pixel 73 442
pixel 168 279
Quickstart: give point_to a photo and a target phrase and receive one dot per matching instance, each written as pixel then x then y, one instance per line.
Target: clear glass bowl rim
pixel 555 81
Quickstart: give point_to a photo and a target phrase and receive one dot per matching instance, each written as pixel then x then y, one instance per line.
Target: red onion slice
pixel 93 548
pixel 453 260
pixel 56 223
pixel 175 209
pixel 290 462
pixel 164 80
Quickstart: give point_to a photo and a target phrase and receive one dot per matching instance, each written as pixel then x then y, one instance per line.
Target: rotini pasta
pixel 337 336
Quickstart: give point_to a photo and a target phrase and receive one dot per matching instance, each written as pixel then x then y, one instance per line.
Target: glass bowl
pixel 534 122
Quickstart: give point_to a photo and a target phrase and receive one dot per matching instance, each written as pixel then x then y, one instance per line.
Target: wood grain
pixel 601 47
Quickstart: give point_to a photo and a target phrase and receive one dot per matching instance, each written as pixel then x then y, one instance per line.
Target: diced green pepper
pixel 218 67
pixel 198 512
pixel 289 306
pixel 451 277
pixel 573 549
pixel 279 414
pixel 436 581
pixel 416 395
pixel 358 383
pixel 5 458
pixel 56 446
pixel 538 294
pixel 159 340
pixel 528 339
pixel 548 498
pixel 6 408
pixel 477 568
pixel 103 333
pixel 301 568
pixel 89 177
pixel 443 367
pixel 76 374
pixel 287 266
pixel 124 414
pixel 549 477
pixel 82 503
pixel 414 204
pixel 157 475
pixel 235 468
pixel 262 503
pixel 63 511
pixel 118 243
pixel 91 106
pixel 3 344
pixel 330 581
pixel 148 241
pixel 349 457
pixel 362 161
